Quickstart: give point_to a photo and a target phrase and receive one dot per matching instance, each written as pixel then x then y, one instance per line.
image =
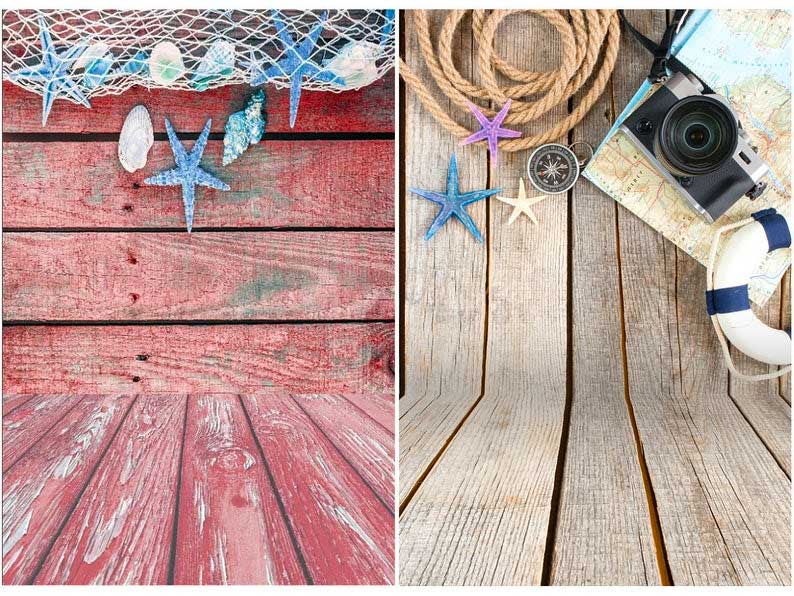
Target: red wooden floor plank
pixel 370 109
pixel 207 276
pixel 312 358
pixel 274 184
pixel 122 528
pixel 231 530
pixel 43 487
pixel 378 406
pixel 31 421
pixel 11 402
pixel 345 533
pixel 363 442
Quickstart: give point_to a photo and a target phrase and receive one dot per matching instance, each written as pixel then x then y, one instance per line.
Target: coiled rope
pixel 583 38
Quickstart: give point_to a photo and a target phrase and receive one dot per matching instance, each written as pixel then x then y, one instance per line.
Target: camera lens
pixel 697 136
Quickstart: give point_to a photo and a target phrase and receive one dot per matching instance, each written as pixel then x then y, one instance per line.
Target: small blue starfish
pixel 453 202
pixel 53 73
pixel 295 63
pixel 187 171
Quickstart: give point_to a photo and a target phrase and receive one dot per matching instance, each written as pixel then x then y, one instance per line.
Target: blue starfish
pixel 53 73
pixel 295 63
pixel 453 202
pixel 187 171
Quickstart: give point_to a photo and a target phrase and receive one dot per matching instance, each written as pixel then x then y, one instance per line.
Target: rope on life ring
pixel 727 297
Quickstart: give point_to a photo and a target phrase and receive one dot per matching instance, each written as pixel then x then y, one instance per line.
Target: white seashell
pixel 165 63
pixel 356 63
pixel 95 51
pixel 216 63
pixel 137 137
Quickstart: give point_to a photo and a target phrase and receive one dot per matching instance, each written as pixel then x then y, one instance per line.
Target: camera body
pixel 696 142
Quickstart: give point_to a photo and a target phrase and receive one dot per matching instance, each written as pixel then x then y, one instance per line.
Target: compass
pixel 553 168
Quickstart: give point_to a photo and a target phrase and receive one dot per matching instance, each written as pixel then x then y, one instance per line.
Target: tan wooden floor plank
pixel 603 533
pixel 723 501
pixel 444 292
pixel 482 514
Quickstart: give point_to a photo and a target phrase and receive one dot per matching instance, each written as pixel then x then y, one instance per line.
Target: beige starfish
pixel 521 203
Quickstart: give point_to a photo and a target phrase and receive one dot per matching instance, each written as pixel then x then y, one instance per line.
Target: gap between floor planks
pixel 385 501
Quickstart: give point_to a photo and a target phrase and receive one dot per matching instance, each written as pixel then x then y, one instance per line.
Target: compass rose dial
pixel 553 168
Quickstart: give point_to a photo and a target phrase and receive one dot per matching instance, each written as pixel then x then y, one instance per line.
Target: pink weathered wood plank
pixel 121 529
pixel 11 402
pixel 30 422
pixel 274 184
pixel 370 109
pixel 43 487
pixel 345 533
pixel 231 530
pixel 378 406
pixel 202 276
pixel 311 358
pixel 364 443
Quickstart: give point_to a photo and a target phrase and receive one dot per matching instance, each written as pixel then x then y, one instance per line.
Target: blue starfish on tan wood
pixel 453 203
pixel 295 63
pixel 187 172
pixel 53 73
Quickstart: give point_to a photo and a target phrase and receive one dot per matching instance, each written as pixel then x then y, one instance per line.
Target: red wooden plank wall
pixel 286 281
pixel 66 200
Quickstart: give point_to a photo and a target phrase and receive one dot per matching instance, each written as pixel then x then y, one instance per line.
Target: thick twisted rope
pixel 584 36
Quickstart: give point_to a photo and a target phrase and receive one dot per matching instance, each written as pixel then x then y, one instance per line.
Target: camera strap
pixel 663 61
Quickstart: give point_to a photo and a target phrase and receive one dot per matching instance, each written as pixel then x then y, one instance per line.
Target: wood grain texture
pixel 365 110
pixel 199 359
pixel 785 323
pixel 121 530
pixel 761 402
pixel 30 422
pixel 482 514
pixel 40 491
pixel 444 294
pixel 378 406
pixel 12 402
pixel 603 534
pixel 207 276
pixel 724 503
pixel 274 184
pixel 230 528
pixel 364 443
pixel 345 533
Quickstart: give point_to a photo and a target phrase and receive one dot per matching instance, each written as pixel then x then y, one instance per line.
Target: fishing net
pixel 105 52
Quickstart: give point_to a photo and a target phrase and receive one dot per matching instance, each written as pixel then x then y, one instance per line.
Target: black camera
pixel 697 143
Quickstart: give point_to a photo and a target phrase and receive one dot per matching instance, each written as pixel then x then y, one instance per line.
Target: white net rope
pixel 78 54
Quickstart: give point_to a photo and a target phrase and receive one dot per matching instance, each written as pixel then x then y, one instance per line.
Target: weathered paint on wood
pixel 274 184
pixel 330 358
pixel 12 402
pixel 231 530
pixel 378 406
pixel 724 503
pixel 481 516
pixel 207 276
pixel 43 488
pixel 445 279
pixel 364 443
pixel 329 507
pixel 121 531
pixel 30 422
pixel 367 110
pixel 603 534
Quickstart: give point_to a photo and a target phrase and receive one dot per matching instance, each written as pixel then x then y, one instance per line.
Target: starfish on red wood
pixel 491 129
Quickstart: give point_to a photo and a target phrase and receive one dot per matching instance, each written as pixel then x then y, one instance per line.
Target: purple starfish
pixel 491 129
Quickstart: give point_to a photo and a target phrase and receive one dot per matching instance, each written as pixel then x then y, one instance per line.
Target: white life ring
pixel 727 297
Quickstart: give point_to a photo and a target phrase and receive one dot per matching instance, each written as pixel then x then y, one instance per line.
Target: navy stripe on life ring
pixel 777 233
pixel 725 300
